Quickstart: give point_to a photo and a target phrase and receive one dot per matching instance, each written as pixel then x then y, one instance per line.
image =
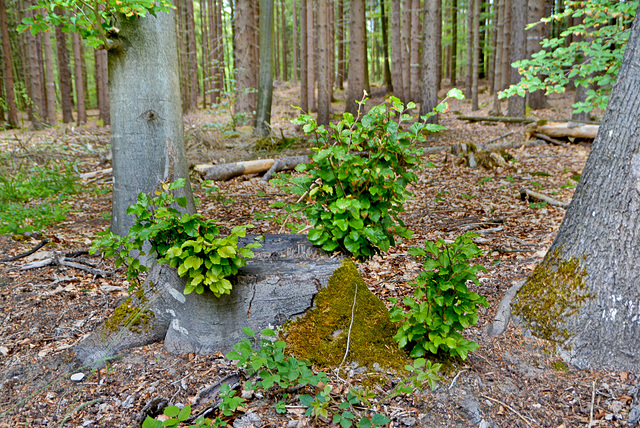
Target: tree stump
pixel 279 284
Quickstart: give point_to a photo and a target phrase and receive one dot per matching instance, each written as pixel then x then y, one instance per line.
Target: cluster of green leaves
pixel 354 189
pixel 275 370
pixel 229 404
pixel 34 197
pixel 593 62
pixel 442 305
pixel 184 241
pixel 92 19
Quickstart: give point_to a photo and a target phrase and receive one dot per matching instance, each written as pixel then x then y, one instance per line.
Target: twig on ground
pixel 551 140
pixel 593 400
pixel 27 253
pixel 353 313
pixel 508 407
pixel 532 195
pixel 499 138
pixel 80 407
pixel 455 378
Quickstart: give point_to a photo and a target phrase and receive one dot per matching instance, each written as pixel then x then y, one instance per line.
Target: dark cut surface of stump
pixel 277 285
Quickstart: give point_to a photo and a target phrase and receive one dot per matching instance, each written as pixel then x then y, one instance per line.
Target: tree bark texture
pixel 324 65
pixel 277 285
pixel 475 58
pixel 357 55
pixel 79 78
pixel 454 43
pixel 294 47
pixel 34 77
pixel 311 58
pixel 102 86
pixel 304 78
pixel 64 76
pixel 601 228
pixel 8 68
pixel 467 82
pixel 516 106
pixel 146 115
pixel 384 22
pixel 247 68
pixel 406 49
pixel 397 75
pixel 340 74
pixel 50 83
pixel 429 87
pixel 416 38
pixel 497 80
pixel 535 35
pixel 265 81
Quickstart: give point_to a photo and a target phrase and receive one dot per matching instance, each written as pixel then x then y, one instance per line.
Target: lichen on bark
pixel 321 335
pixel 555 291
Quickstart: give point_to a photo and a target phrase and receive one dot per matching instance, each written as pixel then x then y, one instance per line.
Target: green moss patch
pixel 131 315
pixel 554 291
pixel 321 335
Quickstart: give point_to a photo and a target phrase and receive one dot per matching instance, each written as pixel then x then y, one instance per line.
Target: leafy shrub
pixel 184 241
pixel 442 306
pixel 33 198
pixel 356 185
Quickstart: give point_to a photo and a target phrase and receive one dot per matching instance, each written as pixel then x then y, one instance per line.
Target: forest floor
pixel 511 381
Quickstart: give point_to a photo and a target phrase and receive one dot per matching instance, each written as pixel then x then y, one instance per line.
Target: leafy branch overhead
pixel 94 20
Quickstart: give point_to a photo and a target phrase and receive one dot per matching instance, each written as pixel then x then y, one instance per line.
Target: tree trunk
pixel 384 22
pixel 454 43
pixel 146 114
pixel 506 44
pixel 64 76
pixel 33 79
pixel 246 82
pixel 311 52
pixel 205 49
pixel 294 53
pixel 283 41
pixel 429 95
pixel 265 82
pixel 324 82
pixel 277 285
pixel 77 66
pixel 535 35
pixel 601 232
pixel 396 50
pixel 50 84
pixel 497 59
pixel 467 84
pixel 519 9
pixel 406 49
pixel 8 68
pixel 102 86
pixel 357 55
pixel 220 61
pixel 475 60
pixel 416 38
pixel 439 45
pixel 340 74
pixel 304 79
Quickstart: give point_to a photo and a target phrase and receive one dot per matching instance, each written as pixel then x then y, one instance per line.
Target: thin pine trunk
pixel 205 51
pixel 467 86
pixel 64 76
pixel 397 75
pixel 77 66
pixel 506 45
pixel 454 43
pixel 357 56
pixel 406 49
pixel 384 22
pixel 8 67
pixel 294 61
pixel 324 81
pixel 102 87
pixel 304 78
pixel 416 32
pixel 476 56
pixel 220 60
pixel 192 55
pixel 340 75
pixel 311 52
pixel 283 39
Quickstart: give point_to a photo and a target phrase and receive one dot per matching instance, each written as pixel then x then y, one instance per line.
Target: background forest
pixel 412 48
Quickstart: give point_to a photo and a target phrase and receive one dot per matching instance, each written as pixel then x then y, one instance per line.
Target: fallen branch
pixel 285 164
pixel 508 407
pixel 228 171
pixel 533 196
pixel 63 261
pixel 495 119
pixel 566 130
pixel 27 253
pixel 551 140
pixel 92 176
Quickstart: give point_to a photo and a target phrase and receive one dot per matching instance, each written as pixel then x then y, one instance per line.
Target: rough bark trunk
pixel 102 86
pixel 294 53
pixel 600 230
pixel 33 79
pixel 416 38
pixel 146 114
pixel 64 76
pixel 454 43
pixel 506 45
pixel 340 74
pixel 516 106
pixel 535 35
pixel 406 50
pixel 277 285
pixel 396 50
pixel 439 45
pixel 304 79
pixel 497 66
pixel 283 41
pixel 429 95
pixel 467 81
pixel 246 82
pixel 324 82
pixel 50 84
pixel 311 52
pixel 77 66
pixel 357 55
pixel 475 60
pixel 265 81
pixel 8 68
pixel 385 47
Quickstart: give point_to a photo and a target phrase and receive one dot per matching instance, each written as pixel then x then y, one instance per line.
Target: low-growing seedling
pixel 442 305
pixel 184 241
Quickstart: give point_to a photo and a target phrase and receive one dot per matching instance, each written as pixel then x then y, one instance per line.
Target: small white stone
pixel 77 377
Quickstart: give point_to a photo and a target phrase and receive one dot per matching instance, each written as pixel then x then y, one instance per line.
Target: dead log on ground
pixel 533 196
pixel 228 171
pixel 504 119
pixel 566 130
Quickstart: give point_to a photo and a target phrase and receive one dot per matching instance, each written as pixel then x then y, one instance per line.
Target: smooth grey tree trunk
pixel 277 285
pixel 430 53
pixel 265 80
pixel 602 226
pixel 146 115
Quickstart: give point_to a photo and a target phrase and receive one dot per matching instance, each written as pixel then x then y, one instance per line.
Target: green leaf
pixel 248 331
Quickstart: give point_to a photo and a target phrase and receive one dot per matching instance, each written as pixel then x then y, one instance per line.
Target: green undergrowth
pixel 321 335
pixel 33 196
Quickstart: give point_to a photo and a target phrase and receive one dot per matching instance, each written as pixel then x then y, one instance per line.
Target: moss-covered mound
pixel 321 335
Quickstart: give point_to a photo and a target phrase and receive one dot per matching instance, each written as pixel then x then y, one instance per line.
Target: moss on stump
pixel 320 336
